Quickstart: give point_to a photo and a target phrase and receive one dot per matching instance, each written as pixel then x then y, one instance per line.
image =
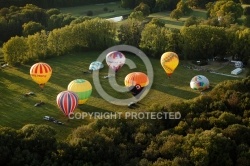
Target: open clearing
pixel 17 110
pixel 113 10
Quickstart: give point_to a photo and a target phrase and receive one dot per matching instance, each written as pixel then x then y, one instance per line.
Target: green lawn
pixel 114 10
pixel 177 24
pixel 17 110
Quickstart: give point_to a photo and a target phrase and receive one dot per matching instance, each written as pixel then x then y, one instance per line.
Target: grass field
pixel 17 110
pixel 177 24
pixel 113 10
pixel 118 11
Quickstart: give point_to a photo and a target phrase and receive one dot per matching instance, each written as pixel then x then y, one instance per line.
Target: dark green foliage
pixel 246 21
pixel 246 10
pixel 192 20
pixel 199 3
pixel 12 19
pixel 52 3
pixel 130 32
pixel 89 13
pixel 245 1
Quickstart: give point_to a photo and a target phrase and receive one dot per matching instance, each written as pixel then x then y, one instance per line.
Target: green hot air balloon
pixel 82 88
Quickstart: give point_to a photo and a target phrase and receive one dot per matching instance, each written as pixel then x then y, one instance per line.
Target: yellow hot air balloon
pixel 82 88
pixel 41 73
pixel 169 61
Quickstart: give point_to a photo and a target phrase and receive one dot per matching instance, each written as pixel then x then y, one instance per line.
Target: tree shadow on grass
pixel 92 109
pixel 184 94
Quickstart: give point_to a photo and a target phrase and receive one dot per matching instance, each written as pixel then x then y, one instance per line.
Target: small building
pixel 236 71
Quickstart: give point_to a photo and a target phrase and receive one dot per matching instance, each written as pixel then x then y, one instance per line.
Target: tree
pixel 239 133
pixel 223 8
pixel 144 8
pixel 209 147
pixel 154 40
pixel 138 15
pixel 247 21
pixel 202 42
pixel 53 11
pixel 130 32
pixel 183 7
pixel 100 33
pixel 239 49
pixel 61 41
pixel 37 46
pixel 176 14
pixel 9 141
pixel 4 11
pixel 192 20
pixel 31 28
pixel 60 20
pixel 157 22
pixel 199 3
pixel 15 50
pixel 161 5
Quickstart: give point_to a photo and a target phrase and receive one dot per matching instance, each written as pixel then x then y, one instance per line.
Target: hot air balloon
pixel 169 61
pixel 136 81
pixel 40 73
pixel 82 88
pixel 96 65
pixel 199 83
pixel 115 60
pixel 67 101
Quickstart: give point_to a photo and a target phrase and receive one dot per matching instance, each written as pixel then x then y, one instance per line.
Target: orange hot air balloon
pixel 136 82
pixel 41 73
pixel 169 61
pixel 135 79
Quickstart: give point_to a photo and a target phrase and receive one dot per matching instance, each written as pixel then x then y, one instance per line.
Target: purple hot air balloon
pixel 67 101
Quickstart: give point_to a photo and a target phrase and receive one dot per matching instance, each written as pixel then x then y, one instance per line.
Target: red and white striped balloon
pixel 67 101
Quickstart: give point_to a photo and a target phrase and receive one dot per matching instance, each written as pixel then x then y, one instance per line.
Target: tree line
pixel 213 130
pixel 51 3
pixel 29 19
pixel 192 42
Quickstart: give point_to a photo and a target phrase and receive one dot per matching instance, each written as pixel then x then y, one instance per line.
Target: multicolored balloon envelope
pixel 136 81
pixel 115 60
pixel 199 82
pixel 169 62
pixel 41 73
pixel 136 78
pixel 82 88
pixel 67 101
pixel 96 65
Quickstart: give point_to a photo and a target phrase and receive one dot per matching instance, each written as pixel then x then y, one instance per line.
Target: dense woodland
pixel 214 130
pixel 43 33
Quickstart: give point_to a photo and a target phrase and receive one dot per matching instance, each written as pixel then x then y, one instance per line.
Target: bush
pixel 89 13
pixel 105 9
